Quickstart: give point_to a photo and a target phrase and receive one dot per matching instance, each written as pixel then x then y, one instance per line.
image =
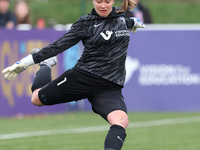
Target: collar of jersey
pixel 113 13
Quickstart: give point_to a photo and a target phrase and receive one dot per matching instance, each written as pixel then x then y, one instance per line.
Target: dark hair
pixel 127 4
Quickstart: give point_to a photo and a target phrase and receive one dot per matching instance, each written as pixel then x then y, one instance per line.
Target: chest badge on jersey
pixel 123 20
pixel 106 36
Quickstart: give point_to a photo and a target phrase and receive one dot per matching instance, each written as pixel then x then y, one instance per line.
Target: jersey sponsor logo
pixel 122 33
pixel 106 36
pixel 96 25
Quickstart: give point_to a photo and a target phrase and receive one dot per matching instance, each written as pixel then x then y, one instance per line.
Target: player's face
pixel 103 7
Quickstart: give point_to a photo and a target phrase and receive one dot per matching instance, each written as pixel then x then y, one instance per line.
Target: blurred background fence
pixel 163 71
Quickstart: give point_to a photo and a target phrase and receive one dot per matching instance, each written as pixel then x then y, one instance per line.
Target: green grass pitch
pixel 147 131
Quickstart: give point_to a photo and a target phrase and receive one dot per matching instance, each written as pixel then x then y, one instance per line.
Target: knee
pixel 35 99
pixel 124 121
pixel 36 102
pixel 118 117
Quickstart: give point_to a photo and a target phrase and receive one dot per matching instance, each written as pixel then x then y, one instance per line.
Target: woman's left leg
pixel 115 138
pixel 110 105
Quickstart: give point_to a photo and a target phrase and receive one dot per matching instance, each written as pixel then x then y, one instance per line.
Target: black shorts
pixel 76 84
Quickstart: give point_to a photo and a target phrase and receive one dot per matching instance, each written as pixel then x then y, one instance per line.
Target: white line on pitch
pixel 101 128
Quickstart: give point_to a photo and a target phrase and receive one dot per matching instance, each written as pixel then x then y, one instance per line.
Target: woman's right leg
pixel 65 88
pixel 42 77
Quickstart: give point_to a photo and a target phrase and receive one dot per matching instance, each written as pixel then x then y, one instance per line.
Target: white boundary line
pixel 101 128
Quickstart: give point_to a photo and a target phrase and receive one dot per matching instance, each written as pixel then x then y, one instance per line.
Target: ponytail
pixel 127 4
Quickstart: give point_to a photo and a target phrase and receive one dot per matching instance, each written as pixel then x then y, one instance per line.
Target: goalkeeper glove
pixel 137 24
pixel 11 72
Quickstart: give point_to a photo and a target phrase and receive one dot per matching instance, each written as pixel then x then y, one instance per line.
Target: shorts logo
pixel 106 36
pixel 44 98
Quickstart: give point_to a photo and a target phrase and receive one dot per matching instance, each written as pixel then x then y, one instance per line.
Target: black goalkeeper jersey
pixel 105 40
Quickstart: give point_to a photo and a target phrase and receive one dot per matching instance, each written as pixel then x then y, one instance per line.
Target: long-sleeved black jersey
pixel 105 40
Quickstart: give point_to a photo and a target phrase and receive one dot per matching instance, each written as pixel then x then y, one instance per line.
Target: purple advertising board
pixel 163 72
pixel 15 95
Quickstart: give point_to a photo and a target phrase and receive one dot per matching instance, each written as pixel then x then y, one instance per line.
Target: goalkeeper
pixel 98 75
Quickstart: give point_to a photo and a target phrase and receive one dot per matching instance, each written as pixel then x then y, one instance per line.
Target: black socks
pixel 42 77
pixel 115 138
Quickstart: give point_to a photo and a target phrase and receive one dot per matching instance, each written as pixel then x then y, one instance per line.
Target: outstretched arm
pixel 69 39
pixel 75 34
